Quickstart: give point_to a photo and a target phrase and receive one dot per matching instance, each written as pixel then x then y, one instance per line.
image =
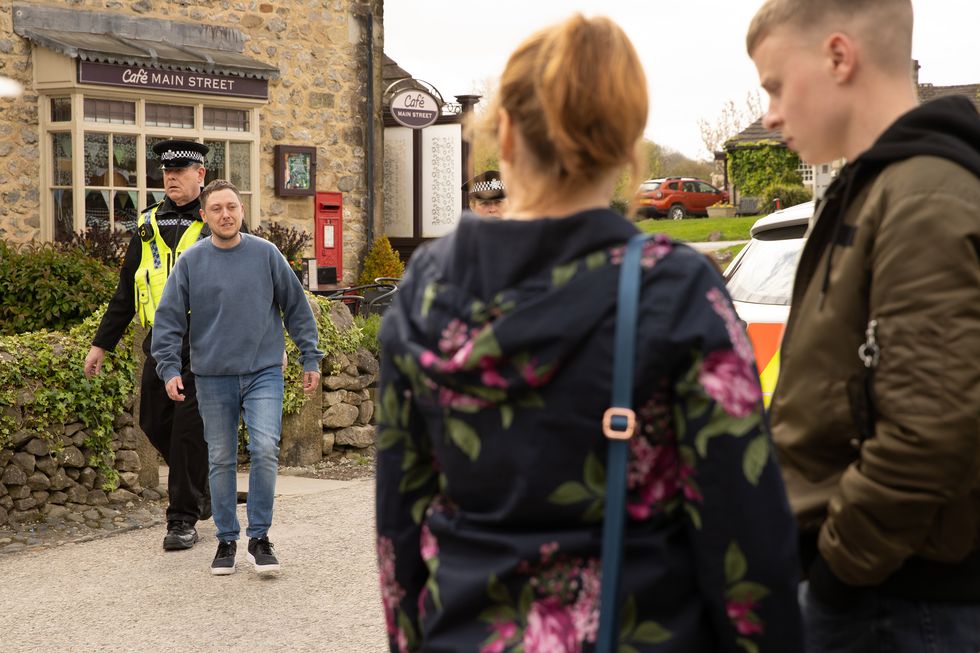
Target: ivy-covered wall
pixel 755 166
pixel 70 441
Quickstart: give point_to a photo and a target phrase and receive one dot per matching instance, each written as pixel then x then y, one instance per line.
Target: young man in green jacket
pixel 876 414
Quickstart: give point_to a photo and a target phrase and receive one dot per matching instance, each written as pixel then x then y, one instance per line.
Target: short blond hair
pixel 884 26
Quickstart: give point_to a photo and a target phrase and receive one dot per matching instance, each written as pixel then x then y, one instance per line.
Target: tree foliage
pixel 732 119
pixel 484 153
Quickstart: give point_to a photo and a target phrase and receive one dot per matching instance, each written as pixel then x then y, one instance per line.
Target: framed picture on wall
pixel 295 170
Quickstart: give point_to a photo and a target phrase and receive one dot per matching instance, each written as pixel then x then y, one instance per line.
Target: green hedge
pixel 44 288
pixel 788 194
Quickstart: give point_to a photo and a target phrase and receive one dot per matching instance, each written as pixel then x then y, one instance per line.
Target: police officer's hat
pixel 486 186
pixel 180 154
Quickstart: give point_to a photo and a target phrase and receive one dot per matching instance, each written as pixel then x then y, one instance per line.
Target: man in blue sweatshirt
pixel 239 290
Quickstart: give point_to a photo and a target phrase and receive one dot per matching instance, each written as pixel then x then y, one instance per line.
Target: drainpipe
pixel 370 127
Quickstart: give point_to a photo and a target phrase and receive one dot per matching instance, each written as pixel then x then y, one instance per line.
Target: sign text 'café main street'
pixel 90 72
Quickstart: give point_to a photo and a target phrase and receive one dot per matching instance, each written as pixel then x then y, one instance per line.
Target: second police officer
pixel 164 231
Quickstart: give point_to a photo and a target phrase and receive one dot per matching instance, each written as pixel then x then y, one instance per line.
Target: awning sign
pixel 92 72
pixel 414 108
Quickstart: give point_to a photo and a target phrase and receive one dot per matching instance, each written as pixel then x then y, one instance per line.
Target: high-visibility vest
pixel 157 261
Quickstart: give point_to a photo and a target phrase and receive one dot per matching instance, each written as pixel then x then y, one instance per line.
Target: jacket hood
pixel 498 305
pixel 948 128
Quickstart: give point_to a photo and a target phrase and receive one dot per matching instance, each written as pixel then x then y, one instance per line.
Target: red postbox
pixel 329 236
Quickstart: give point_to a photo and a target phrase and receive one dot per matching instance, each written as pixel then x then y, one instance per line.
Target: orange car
pixel 676 197
pixel 760 281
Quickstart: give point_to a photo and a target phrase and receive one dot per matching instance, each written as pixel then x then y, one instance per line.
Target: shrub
pixel 290 241
pixel 381 261
pixel 100 242
pixel 618 205
pixel 788 194
pixel 369 326
pixel 42 287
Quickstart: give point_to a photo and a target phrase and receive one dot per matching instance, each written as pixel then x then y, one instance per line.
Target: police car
pixel 760 281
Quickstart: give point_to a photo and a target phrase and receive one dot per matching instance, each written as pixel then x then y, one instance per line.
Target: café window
pixel 110 181
pixel 61 109
pixel 100 169
pixel 169 115
pixel 111 111
pixel 232 120
pixel 61 187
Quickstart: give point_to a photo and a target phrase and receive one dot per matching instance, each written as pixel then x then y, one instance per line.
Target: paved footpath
pixel 124 593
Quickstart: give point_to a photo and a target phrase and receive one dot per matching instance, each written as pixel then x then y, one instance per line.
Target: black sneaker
pixel 224 560
pixel 262 555
pixel 180 535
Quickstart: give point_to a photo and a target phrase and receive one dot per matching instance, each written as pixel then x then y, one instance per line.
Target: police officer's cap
pixel 180 154
pixel 486 186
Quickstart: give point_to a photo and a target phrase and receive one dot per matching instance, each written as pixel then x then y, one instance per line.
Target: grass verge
pixel 696 230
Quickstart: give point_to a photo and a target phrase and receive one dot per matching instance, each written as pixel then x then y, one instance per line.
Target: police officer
pixel 486 194
pixel 163 232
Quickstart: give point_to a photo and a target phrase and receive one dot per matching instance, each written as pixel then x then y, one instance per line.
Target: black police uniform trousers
pixel 176 430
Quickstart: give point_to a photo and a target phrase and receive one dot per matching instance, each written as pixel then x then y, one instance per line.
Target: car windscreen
pixel 648 186
pixel 765 272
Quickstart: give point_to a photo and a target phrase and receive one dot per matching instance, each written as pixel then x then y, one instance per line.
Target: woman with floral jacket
pixel 496 370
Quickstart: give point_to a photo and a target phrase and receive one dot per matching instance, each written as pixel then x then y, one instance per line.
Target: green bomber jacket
pixel 895 241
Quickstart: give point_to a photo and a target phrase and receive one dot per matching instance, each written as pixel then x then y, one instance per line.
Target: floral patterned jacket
pixel 496 370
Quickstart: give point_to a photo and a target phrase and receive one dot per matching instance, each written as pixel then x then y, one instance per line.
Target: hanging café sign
pixel 414 108
pixel 92 72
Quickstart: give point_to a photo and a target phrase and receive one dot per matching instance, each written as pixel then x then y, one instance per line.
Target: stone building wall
pixel 320 99
pixel 19 156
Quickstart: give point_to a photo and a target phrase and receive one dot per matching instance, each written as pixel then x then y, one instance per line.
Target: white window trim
pixel 77 128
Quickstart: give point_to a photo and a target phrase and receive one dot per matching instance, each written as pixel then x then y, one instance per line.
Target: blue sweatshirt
pixel 239 298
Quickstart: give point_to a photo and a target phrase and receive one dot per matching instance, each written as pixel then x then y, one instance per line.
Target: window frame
pixel 78 126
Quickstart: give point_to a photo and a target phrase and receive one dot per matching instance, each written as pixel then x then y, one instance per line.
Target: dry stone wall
pixel 46 477
pixel 348 401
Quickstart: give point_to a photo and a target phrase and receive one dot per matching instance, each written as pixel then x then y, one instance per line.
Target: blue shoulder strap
pixel 618 424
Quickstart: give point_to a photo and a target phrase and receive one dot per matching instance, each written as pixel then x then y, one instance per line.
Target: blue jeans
pixel 222 400
pixel 883 624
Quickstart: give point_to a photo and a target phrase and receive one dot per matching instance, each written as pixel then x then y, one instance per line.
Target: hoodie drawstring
pixel 841 203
